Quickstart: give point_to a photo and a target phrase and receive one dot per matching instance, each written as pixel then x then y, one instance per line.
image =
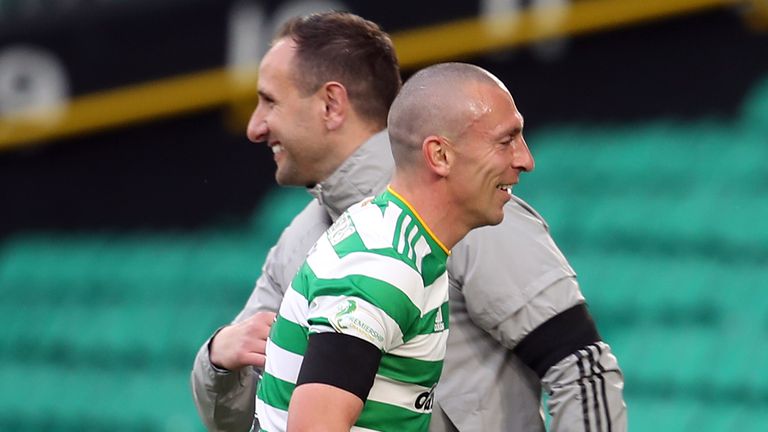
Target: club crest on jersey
pixel 340 229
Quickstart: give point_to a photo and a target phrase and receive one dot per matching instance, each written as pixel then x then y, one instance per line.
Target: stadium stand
pixel 666 223
pixel 100 328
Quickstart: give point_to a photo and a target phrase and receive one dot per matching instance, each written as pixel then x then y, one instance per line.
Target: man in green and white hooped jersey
pixel 378 274
pixel 361 333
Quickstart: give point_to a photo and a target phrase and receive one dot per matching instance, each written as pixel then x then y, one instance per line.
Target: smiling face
pixel 488 156
pixel 289 122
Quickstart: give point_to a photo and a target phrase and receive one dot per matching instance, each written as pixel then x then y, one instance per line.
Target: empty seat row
pixel 141 337
pixel 686 415
pixel 627 288
pixel 712 365
pixel 61 398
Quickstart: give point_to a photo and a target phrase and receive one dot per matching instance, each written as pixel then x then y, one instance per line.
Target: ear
pixel 437 154
pixel 336 104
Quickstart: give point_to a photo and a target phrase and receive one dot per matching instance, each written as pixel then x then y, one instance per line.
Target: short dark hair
pixel 343 47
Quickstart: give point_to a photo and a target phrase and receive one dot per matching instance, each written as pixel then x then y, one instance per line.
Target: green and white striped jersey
pixel 378 274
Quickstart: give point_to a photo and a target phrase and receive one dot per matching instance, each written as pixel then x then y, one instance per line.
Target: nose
pixel 257 131
pixel 522 158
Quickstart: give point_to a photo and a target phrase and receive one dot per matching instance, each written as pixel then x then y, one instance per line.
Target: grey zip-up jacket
pixel 500 292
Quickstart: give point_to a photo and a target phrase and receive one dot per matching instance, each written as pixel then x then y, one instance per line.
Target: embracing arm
pixel 586 391
pixel 579 372
pixel 555 335
pixel 225 395
pixel 520 289
pixel 223 381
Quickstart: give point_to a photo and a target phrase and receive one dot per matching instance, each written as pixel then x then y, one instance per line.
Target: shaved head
pixel 457 140
pixel 439 100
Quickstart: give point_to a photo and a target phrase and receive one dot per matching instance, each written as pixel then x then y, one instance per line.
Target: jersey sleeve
pixel 366 294
pixel 354 316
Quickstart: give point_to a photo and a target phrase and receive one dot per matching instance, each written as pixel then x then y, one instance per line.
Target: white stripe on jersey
pixel 421 248
pixel 436 296
pixel 288 366
pixel 376 230
pixel 327 265
pixel 294 307
pixel 327 306
pixel 361 429
pixel 401 241
pixel 411 236
pixel 267 414
pixel 397 393
pixel 430 347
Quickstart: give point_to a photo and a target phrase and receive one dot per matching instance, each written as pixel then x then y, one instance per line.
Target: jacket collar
pixel 366 172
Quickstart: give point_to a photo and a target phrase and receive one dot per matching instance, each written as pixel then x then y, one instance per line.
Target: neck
pixel 428 198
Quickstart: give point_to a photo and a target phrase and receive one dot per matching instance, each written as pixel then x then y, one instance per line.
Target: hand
pixel 242 344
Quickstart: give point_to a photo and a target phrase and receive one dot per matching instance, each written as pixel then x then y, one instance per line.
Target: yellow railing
pixel 452 40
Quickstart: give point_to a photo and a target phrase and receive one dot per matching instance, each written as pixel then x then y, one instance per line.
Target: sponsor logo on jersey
pixel 424 401
pixel 349 319
pixel 346 308
pixel 439 324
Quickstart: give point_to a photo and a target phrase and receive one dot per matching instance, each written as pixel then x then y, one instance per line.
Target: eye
pixel 511 137
pixel 507 140
pixel 265 99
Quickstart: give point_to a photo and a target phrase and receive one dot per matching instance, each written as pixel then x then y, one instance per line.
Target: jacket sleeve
pixel 586 391
pixel 225 400
pixel 521 290
pixel 576 368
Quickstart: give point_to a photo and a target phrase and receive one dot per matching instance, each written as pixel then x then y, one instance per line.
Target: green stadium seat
pixel 83 399
pixel 666 226
pixel 661 414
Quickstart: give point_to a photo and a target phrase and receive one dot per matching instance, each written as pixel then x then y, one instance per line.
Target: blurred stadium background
pixel 134 214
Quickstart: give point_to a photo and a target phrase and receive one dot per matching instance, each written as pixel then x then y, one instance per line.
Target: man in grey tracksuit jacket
pixel 518 322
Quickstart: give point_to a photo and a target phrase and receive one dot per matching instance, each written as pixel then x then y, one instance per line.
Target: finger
pixel 262 327
pixel 258 347
pixel 265 317
pixel 255 359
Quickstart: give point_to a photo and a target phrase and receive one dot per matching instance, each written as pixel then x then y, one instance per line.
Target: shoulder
pixel 309 223
pixel 301 233
pixel 312 214
pixel 518 248
pixel 373 221
pixel 360 242
pixel 517 208
pixel 521 223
